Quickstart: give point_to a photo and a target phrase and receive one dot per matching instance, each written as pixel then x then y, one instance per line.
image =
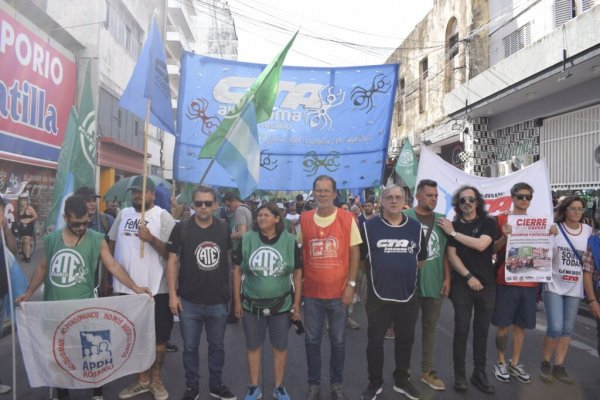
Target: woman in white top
pixel 563 294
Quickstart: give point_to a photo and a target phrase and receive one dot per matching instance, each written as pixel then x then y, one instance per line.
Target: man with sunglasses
pixel 515 301
pixel 198 277
pixel 67 279
pixel 470 245
pixel 125 236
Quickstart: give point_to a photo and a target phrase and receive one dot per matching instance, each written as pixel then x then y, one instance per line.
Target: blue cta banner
pixel 333 121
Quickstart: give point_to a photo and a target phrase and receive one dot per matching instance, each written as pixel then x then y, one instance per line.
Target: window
pixel 517 40
pixel 401 87
pixel 564 10
pixel 451 53
pixel 423 73
pixel 123 27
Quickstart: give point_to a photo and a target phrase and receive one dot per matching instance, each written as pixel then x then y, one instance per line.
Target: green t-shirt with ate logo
pixel 267 268
pixel 431 275
pixel 71 271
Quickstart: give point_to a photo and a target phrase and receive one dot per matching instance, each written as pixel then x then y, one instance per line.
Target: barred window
pixel 517 40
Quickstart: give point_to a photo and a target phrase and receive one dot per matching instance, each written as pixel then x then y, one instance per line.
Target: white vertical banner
pixel 86 343
pixel 495 191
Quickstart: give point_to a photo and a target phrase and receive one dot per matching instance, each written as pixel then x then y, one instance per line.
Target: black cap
pixel 86 192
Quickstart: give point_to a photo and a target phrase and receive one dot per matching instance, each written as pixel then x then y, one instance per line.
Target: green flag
pixel 77 159
pixel 262 93
pixel 406 165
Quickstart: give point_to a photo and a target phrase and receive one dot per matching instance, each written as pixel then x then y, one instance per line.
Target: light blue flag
pixel 240 152
pixel 150 81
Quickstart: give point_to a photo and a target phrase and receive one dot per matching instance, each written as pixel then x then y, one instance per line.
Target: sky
pixel 332 32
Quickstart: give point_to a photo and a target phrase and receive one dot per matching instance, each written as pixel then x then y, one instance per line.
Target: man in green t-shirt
pixel 69 264
pixel 434 278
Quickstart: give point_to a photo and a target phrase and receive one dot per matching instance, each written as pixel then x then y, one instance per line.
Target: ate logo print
pixel 208 255
pixel 93 343
pixel 67 269
pixel 266 261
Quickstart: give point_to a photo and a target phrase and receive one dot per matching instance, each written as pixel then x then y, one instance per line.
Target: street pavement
pixel 582 363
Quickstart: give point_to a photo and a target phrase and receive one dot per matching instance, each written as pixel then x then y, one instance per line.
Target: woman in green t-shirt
pixel 267 286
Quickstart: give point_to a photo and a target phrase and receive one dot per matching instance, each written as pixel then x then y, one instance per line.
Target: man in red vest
pixel 330 248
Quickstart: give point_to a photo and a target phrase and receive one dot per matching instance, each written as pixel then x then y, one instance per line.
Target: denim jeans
pixel 465 301
pixel 561 312
pixel 192 319
pixel 380 315
pixel 315 311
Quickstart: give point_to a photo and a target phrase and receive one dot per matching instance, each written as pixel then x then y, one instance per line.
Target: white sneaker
pixel 501 372
pixel 4 389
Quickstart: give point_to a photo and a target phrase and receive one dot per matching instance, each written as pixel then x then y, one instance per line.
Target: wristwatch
pixel 352 284
pixel 453 233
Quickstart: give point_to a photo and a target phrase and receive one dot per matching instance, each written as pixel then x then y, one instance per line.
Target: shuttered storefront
pixel 568 143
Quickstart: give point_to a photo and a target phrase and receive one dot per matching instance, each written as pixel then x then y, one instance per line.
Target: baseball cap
pixel 138 183
pixel 86 192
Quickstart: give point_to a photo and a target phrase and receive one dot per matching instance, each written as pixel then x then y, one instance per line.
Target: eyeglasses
pixel 205 203
pixel 527 197
pixel 575 209
pixel 393 198
pixel 469 199
pixel 76 225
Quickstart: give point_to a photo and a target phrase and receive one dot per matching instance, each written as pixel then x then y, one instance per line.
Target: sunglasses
pixel 469 199
pixel 200 203
pixel 527 197
pixel 76 225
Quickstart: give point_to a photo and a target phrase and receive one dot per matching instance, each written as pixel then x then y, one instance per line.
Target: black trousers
pixel 465 301
pixel 380 316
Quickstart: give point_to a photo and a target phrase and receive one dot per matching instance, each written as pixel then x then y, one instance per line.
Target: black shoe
pixel 191 394
pixel 221 392
pixel 406 388
pixel 371 392
pixel 560 373
pixel 480 381
pixel 171 348
pixel 460 384
pixel 546 372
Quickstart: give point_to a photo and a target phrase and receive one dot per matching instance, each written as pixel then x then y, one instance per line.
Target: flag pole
pixel 12 315
pixel 145 174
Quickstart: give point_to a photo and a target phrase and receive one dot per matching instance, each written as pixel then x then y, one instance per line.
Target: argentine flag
pixel 240 152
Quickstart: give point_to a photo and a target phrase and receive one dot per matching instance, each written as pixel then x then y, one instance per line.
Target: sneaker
pixel 406 388
pixel 191 394
pixel 98 398
pixel 4 389
pixel 546 372
pixel 170 347
pixel 460 384
pixel 135 389
pixel 371 392
pixel 431 380
pixel 158 391
pixel 221 392
pixel 352 324
pixel 390 334
pixel 501 372
pixel 279 393
pixel 337 392
pixel 518 371
pixel 560 373
pixel 254 393
pixel 313 392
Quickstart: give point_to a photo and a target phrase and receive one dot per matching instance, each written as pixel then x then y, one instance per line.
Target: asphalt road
pixel 582 364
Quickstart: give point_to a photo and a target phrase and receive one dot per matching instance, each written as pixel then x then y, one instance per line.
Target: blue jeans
pixel 213 318
pixel 315 311
pixel 561 312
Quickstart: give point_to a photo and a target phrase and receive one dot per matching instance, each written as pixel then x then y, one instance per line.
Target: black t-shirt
pixel 479 263
pixel 203 260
